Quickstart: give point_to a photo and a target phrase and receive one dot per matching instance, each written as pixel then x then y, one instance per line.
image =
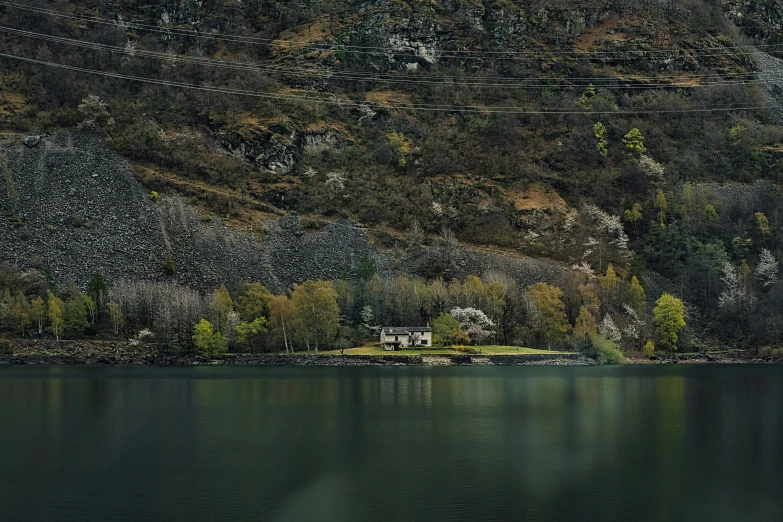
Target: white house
pixel 400 337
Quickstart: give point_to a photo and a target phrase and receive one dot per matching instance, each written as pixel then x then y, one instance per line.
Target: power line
pixel 381 50
pixel 530 83
pixel 422 107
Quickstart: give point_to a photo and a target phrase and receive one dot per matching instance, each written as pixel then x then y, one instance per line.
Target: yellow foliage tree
pixel 552 319
pixel 56 313
pixel 316 313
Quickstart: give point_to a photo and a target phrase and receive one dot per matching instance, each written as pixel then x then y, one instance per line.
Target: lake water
pixel 652 443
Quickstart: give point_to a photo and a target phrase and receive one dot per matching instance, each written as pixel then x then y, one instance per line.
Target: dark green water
pixel 664 443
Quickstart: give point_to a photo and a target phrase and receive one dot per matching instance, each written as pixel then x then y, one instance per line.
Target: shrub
pixel 463 348
pixel 605 351
pixel 169 268
pixel 649 348
pixel 5 347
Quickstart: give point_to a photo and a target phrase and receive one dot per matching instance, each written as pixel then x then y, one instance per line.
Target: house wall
pixel 405 339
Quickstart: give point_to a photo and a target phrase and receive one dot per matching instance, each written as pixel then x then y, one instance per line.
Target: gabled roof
pixel 405 330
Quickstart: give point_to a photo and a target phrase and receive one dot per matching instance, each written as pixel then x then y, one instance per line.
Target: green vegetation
pixel 480 350
pixel 626 177
pixel 208 341
pixel 605 351
pixel 669 320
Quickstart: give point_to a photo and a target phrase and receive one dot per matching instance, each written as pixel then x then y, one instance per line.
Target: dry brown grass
pixel 316 32
pixel 535 196
pixel 387 98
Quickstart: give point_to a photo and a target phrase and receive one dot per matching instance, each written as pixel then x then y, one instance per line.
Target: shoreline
pixel 79 353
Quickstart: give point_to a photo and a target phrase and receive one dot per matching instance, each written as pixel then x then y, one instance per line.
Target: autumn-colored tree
pixel 636 295
pixel 316 313
pixel 552 319
pixel 221 305
pixel 253 302
pixel 669 320
pixel 56 313
pixel 609 285
pixel 585 326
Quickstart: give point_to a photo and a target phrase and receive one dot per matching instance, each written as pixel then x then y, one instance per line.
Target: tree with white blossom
pixel 767 269
pixel 608 329
pixel 474 322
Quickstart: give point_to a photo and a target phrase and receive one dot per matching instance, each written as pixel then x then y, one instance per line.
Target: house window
pixel 396 338
pixel 424 342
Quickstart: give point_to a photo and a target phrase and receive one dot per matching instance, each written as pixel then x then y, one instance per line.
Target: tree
pixel 474 322
pixel 669 320
pixel 585 326
pixel 21 311
pixel 94 112
pixel 608 329
pixel 115 316
pixel 253 302
pixel 552 319
pixel 76 315
pixel 56 313
pixel 633 215
pixel 207 340
pixel 734 292
pixel 98 290
pixel 767 269
pixel 281 320
pixel 316 313
pixel 221 305
pixel 636 295
pixel 600 135
pixel 649 348
pixel 443 329
pixel 249 332
pixel 763 223
pixel 609 285
pixel 39 310
pixel 662 206
pixel 634 142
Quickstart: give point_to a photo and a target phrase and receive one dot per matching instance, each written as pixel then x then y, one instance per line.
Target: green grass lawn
pixel 483 350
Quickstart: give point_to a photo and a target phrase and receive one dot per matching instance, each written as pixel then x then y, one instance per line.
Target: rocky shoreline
pixel 123 353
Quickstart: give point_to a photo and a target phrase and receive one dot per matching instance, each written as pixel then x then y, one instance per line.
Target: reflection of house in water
pixel 404 390
pixel 398 337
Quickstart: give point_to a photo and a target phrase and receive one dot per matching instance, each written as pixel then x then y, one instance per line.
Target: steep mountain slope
pixel 78 210
pixel 577 133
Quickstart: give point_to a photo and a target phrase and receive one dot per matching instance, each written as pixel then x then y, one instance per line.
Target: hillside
pixel 538 135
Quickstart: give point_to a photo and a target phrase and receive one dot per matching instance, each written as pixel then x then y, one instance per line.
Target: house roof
pixel 405 330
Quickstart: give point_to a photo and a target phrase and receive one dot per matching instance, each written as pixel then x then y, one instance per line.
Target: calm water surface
pixel 663 443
